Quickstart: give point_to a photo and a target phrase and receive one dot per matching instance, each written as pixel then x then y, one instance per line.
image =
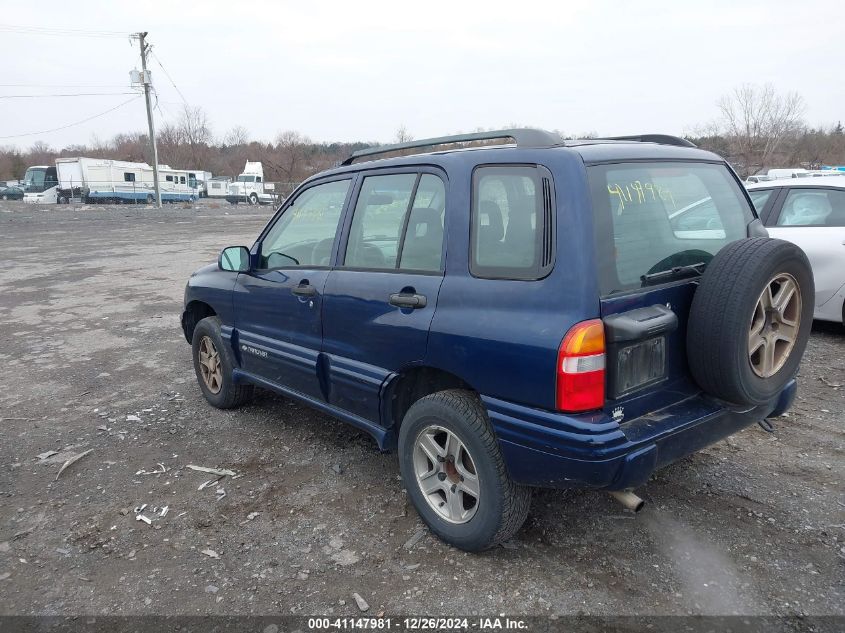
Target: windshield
pixel 34 179
pixel 652 217
pixel 243 178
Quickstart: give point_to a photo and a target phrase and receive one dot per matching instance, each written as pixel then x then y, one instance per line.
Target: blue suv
pixel 539 313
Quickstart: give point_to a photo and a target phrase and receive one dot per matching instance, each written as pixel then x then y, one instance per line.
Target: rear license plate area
pixel 634 366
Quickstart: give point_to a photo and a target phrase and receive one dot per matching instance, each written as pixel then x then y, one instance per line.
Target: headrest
pixel 490 222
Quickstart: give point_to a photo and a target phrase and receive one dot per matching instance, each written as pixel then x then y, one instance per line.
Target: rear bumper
pixel 554 450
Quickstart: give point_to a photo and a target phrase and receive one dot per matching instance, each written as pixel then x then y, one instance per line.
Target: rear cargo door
pixel 657 226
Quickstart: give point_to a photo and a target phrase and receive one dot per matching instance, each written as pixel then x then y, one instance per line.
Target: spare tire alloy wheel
pixel 750 320
pixel 775 325
pixel 446 474
pixel 210 368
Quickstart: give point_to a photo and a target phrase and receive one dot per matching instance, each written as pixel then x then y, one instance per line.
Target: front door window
pixel 304 235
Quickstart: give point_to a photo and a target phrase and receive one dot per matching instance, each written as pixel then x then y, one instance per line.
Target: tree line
pixel 758 128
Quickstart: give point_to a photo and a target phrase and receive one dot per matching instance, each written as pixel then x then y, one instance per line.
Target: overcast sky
pixel 358 70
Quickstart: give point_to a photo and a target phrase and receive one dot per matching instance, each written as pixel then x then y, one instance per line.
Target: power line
pixel 167 74
pixel 64 127
pixel 62 85
pixel 60 32
pixel 71 94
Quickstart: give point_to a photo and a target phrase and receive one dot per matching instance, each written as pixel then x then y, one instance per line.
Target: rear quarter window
pixel 513 222
pixel 653 216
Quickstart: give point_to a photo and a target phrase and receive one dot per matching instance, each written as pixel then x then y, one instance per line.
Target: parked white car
pixel 810 212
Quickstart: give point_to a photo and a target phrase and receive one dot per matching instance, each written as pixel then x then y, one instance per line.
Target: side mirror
pixel 234 259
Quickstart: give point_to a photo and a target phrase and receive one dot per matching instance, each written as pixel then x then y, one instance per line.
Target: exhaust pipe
pixel 628 499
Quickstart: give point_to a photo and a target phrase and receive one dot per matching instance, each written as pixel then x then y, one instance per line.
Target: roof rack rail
pixel 662 139
pixel 524 137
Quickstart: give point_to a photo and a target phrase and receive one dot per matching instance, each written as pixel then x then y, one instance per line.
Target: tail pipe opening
pixel 628 499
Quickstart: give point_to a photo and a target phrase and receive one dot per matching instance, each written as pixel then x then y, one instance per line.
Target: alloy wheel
pixel 446 474
pixel 210 367
pixel 774 325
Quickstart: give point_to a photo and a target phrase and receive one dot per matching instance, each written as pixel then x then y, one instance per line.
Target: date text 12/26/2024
pixel 417 624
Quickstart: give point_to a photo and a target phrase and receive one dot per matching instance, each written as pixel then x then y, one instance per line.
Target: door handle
pixel 304 290
pixel 407 300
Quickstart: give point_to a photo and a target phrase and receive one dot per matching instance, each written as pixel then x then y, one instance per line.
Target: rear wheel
pixel 213 365
pixel 454 472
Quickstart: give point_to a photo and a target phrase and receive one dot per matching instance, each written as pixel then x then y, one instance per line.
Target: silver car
pixel 810 212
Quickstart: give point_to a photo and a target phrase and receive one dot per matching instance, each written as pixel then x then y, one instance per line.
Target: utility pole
pixel 145 78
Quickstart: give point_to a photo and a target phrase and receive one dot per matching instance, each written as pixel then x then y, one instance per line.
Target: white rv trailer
pixel 218 186
pixel 105 180
pixel 201 178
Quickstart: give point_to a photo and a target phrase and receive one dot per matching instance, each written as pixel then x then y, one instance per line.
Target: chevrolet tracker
pixel 541 313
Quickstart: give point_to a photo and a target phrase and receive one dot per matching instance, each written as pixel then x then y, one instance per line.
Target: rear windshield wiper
pixel 673 273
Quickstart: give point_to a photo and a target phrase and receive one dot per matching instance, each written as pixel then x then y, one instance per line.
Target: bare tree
pixel 238 135
pixel 756 120
pixel 41 153
pixel 403 135
pixel 195 130
pixel 292 150
pixel 171 145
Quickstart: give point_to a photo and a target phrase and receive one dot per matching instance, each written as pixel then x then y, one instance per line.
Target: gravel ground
pixel 93 360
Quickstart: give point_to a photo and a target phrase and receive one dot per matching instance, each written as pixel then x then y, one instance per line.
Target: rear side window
pixel 513 217
pixel 652 217
pixel 813 207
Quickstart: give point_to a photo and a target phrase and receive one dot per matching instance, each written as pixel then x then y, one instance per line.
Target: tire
pixel 253 199
pixel 224 394
pixel 500 507
pixel 730 305
pixel 150 199
pixel 5 197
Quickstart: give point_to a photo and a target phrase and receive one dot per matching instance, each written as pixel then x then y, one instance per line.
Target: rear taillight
pixel 580 368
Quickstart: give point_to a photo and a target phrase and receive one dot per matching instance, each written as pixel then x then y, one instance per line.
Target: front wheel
pixel 455 475
pixel 253 199
pixel 213 365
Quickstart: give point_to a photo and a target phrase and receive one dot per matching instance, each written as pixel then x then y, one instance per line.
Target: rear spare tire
pixel 750 320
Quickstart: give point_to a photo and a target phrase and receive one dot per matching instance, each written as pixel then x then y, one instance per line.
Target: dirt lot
pixel 93 358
